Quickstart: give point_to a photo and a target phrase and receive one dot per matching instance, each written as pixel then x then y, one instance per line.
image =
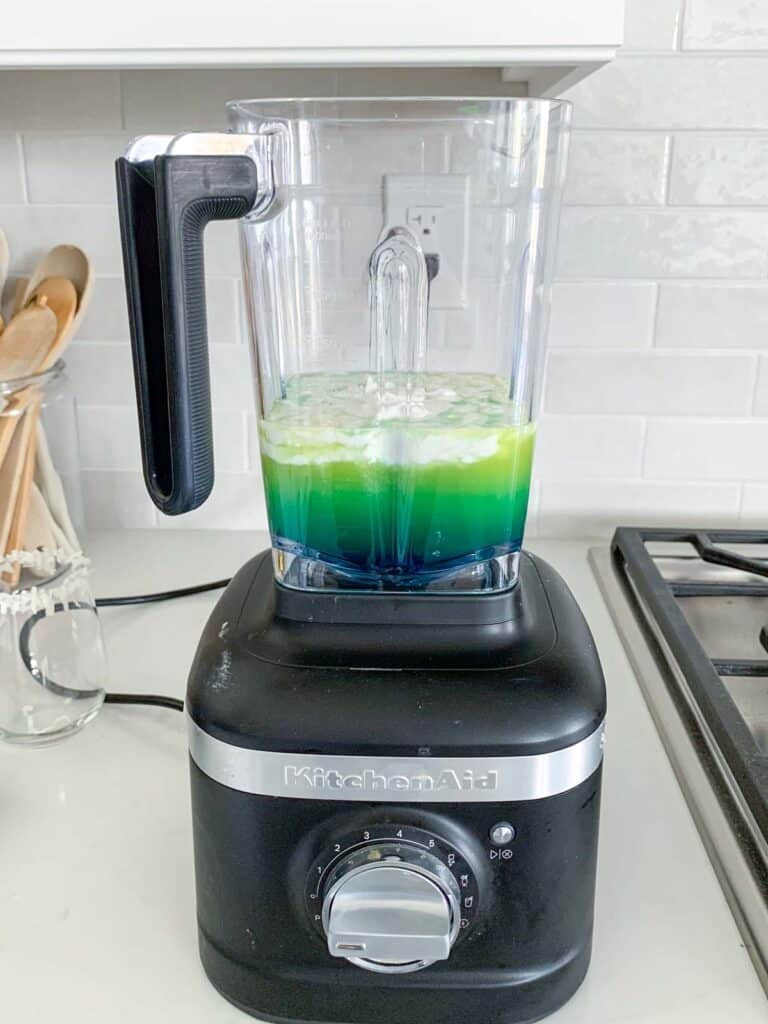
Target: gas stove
pixel 692 610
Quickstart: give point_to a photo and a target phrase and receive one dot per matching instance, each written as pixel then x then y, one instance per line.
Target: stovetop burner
pixel 692 609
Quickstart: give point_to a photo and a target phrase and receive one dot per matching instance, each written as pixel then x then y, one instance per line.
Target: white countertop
pixel 97 913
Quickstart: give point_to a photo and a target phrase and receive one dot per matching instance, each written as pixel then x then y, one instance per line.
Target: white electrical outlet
pixel 436 208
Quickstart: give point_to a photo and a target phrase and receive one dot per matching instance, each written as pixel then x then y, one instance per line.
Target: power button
pixel 502 833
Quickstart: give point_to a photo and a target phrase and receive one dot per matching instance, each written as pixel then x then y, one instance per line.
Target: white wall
pixel 656 400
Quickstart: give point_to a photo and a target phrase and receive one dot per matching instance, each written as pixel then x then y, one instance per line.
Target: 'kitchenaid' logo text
pixel 370 780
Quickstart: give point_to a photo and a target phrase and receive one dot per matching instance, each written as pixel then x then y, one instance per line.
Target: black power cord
pixel 151 699
pixel 162 595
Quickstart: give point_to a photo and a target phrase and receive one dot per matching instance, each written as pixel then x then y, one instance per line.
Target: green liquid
pixel 396 476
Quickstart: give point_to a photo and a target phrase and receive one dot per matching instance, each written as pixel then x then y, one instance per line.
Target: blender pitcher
pixel 397 255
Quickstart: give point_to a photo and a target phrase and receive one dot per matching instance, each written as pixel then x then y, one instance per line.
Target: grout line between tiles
pixel 669 151
pixel 682 14
pixel 655 317
pixel 756 385
pixel 643 445
pixel 121 99
pixel 22 158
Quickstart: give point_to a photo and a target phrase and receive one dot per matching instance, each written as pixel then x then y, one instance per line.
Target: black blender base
pixel 347 995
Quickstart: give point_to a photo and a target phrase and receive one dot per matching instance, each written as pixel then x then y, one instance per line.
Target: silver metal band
pixel 403 779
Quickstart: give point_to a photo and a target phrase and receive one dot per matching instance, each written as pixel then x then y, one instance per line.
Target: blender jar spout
pixel 398 295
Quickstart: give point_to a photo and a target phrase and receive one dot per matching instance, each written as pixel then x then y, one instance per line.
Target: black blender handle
pixel 164 207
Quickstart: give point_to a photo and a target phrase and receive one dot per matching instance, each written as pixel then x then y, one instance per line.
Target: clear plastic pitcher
pixel 397 259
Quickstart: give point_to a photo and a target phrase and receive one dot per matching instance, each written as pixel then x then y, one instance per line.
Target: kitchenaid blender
pixel 396 719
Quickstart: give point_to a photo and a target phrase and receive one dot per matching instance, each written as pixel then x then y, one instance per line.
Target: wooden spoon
pixel 63 261
pixel 5 259
pixel 18 524
pixel 16 472
pixel 27 340
pixel 18 295
pixel 60 296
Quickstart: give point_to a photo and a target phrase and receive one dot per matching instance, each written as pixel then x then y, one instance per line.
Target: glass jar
pixel 52 662
pixel 41 503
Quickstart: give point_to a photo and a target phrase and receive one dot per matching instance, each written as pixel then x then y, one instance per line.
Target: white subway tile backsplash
pixel 594 508
pixel 709 449
pixel 675 91
pixel 575 447
pixel 11 173
pixel 726 25
pixel 59 101
pixel 109 437
pixel 116 499
pixel 77 168
pixel 589 314
pixel 107 316
pixel 651 24
pixel 754 509
pixel 229 441
pixel 222 249
pixel 32 230
pixel 712 315
pixel 236 503
pixel 102 373
pixel 605 169
pixel 231 377
pixel 223 311
pixel 656 395
pixel 176 100
pixel 612 242
pixel 407 81
pixel 651 383
pixel 723 170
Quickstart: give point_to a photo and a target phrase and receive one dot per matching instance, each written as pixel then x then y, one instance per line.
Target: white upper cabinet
pixel 547 43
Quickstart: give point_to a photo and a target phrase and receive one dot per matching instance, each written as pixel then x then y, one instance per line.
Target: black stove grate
pixel 655 598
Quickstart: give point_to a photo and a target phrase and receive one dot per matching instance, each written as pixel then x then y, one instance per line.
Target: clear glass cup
pixel 52 662
pixel 397 277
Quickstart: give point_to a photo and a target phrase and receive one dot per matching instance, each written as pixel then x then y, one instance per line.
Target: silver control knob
pixel 391 909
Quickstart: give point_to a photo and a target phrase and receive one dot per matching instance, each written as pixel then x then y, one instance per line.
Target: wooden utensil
pixel 71 263
pixel 18 525
pixel 27 340
pixel 62 282
pixel 15 470
pixel 60 296
pixel 5 259
pixel 18 295
pixel 24 343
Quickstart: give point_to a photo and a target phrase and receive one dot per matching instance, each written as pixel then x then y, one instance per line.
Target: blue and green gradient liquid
pixel 395 480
